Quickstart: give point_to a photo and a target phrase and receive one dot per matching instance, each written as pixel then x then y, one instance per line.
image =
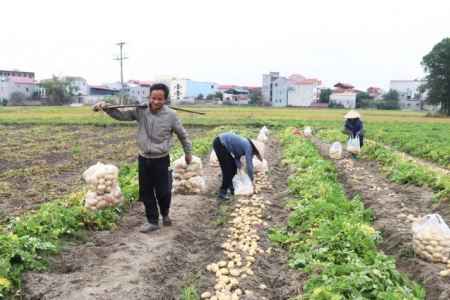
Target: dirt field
pixel 126 264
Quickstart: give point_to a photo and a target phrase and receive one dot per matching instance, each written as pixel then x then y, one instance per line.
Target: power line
pixel 121 58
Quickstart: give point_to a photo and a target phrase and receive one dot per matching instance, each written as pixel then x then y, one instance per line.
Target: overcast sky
pixel 365 43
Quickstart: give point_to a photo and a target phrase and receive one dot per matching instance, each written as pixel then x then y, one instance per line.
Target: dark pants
pixel 361 138
pixel 226 162
pixel 155 186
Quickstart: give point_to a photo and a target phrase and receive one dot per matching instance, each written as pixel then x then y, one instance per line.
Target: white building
pixel 304 92
pixel 11 84
pixel 409 96
pixel 295 90
pixel 82 84
pixel 186 88
pixel 346 99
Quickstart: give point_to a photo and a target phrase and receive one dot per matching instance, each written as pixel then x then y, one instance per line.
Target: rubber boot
pixel 232 189
pixel 223 194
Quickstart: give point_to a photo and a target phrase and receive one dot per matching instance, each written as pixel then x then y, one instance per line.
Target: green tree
pixel 4 102
pixel 218 95
pixel 362 100
pixel 35 95
pixel 325 95
pixel 390 101
pixel 59 90
pixel 210 96
pixel 437 82
pixel 18 96
pixel 200 96
pixel 256 98
pixel 127 97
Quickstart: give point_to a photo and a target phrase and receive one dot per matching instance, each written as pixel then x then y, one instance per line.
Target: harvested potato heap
pixel 307 132
pixel 353 146
pixel 213 160
pixel 260 170
pixel 431 238
pixel 241 250
pixel 103 189
pixel 187 179
pixel 262 137
pixel 336 150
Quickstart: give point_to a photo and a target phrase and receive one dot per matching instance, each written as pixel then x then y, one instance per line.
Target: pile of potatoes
pixel 187 179
pixel 241 250
pixel 335 150
pixel 103 189
pixel 431 244
pixel 213 160
pixel 259 166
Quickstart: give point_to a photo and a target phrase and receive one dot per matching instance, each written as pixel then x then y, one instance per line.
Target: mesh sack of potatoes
pixel 307 132
pixel 335 150
pixel 431 238
pixel 103 189
pixel 262 137
pixel 187 179
pixel 264 130
pixel 213 160
pixel 259 166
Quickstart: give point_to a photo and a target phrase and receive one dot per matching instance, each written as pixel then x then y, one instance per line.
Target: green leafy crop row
pixel 329 236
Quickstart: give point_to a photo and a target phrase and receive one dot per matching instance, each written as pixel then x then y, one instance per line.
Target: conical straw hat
pixel 352 114
pixel 260 147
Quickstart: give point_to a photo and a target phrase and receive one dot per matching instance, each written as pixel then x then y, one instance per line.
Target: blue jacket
pixel 239 146
pixel 355 126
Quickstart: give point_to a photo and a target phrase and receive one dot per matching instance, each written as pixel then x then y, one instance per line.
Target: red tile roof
pixel 344 85
pixel 221 87
pixel 78 78
pixel 308 81
pixel 22 80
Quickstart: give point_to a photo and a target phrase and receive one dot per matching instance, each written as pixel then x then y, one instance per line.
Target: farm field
pixel 41 162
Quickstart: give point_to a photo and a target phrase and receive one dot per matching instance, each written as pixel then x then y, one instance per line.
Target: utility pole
pixel 121 58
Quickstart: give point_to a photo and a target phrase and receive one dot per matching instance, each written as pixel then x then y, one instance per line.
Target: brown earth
pixel 389 200
pixel 126 264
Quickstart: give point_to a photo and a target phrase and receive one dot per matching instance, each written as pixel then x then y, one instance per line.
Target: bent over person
pixel 156 124
pixel 229 148
pixel 354 126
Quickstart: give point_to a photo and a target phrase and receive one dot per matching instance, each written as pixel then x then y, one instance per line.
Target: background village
pixel 19 88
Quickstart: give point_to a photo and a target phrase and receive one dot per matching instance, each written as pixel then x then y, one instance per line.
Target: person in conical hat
pixel 354 126
pixel 229 148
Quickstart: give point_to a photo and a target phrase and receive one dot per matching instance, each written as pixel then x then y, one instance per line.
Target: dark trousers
pixel 155 186
pixel 226 162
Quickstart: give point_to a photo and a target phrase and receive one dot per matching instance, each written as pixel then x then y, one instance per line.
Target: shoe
pixel 167 221
pixel 149 227
pixel 223 194
pixel 232 190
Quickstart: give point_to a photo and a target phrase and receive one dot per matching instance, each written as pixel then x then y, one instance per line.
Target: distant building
pixel 376 93
pixel 11 84
pixel 409 97
pixel 343 95
pixel 186 88
pixel 236 96
pixel 16 73
pixel 304 93
pixel 82 84
pixel 296 90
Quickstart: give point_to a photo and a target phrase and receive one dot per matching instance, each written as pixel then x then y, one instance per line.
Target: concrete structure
pixel 82 84
pixel 409 96
pixel 186 88
pixel 304 93
pixel 166 79
pixel 16 73
pixel 296 90
pixel 11 84
pixel 236 96
pixel 346 99
pixel 376 93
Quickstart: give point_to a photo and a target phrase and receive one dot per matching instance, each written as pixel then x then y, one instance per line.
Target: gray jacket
pixel 154 136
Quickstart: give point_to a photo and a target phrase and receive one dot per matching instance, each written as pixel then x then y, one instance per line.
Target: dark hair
pixel 160 87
